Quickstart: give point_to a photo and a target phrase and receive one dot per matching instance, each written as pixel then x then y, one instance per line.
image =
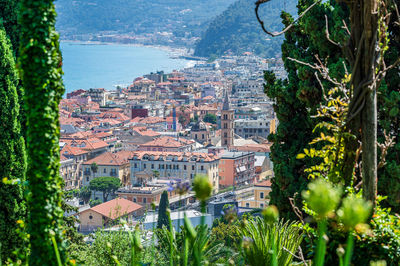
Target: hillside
pixel 236 30
pixel 182 18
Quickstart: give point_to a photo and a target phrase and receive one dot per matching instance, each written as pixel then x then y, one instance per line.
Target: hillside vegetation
pixel 137 16
pixel 236 30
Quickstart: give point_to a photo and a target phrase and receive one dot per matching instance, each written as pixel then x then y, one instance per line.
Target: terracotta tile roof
pixel 265 183
pixel 86 144
pixel 196 156
pixel 81 135
pixel 167 142
pixel 71 121
pixel 69 150
pixel 111 121
pixel 143 131
pixel 116 208
pixel 254 147
pixel 96 143
pixel 102 135
pixel 152 120
pixel 63 158
pixel 164 83
pixel 108 158
pixel 113 115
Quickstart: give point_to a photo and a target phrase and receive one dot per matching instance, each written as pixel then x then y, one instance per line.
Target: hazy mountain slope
pixel 237 30
pixel 137 16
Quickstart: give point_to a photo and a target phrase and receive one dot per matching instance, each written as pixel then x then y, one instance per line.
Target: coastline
pixel 172 51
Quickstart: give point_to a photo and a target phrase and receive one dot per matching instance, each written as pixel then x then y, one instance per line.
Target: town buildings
pixel 104 214
pixel 248 128
pixel 152 133
pixel 172 165
pixel 236 169
pixel 227 123
pixel 108 164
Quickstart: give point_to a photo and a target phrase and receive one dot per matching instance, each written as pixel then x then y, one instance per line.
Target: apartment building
pixel 236 168
pixel 247 128
pixel 69 172
pixel 108 164
pixel 171 165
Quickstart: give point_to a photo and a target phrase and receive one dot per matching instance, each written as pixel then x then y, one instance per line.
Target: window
pixel 202 136
pixel 144 200
pixel 105 170
pixel 90 217
pixel 87 179
pixel 134 199
pixel 135 165
pixel 152 166
pixel 202 168
pixel 261 205
pixel 144 166
pixel 225 135
pixel 261 195
pixel 192 167
pixel 184 167
pixel 225 125
pixel 247 205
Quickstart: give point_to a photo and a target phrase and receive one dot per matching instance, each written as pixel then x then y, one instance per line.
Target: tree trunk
pixel 369 155
pixel 363 54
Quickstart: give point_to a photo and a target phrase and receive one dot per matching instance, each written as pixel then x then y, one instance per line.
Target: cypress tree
pixel 297 97
pixel 163 219
pixel 9 19
pixel 40 66
pixel 12 156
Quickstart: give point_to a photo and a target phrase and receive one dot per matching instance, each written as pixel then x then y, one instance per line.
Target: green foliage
pixel 12 154
pixel 298 97
pixel 202 187
pixel 8 19
pixel 106 184
pixel 40 67
pixel 94 167
pixel 226 233
pixel 85 193
pixel 163 218
pixel 236 30
pixel 382 242
pixel 109 247
pixel 137 16
pixel 188 243
pixel 322 198
pixel 210 118
pixel 389 119
pixel 259 237
pixel 95 202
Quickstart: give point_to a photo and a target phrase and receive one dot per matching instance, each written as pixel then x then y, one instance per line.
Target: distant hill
pixel 236 30
pixel 181 17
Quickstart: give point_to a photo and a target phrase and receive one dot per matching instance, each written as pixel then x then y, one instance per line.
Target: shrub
pixel 259 237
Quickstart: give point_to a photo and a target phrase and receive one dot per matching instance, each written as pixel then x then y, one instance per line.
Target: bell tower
pixel 226 123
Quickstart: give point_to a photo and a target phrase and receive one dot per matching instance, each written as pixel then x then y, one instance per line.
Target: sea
pixel 88 65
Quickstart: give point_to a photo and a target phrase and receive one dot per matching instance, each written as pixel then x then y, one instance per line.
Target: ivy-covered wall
pixel 40 66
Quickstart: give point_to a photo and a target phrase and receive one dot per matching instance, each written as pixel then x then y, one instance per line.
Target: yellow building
pixel 259 198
